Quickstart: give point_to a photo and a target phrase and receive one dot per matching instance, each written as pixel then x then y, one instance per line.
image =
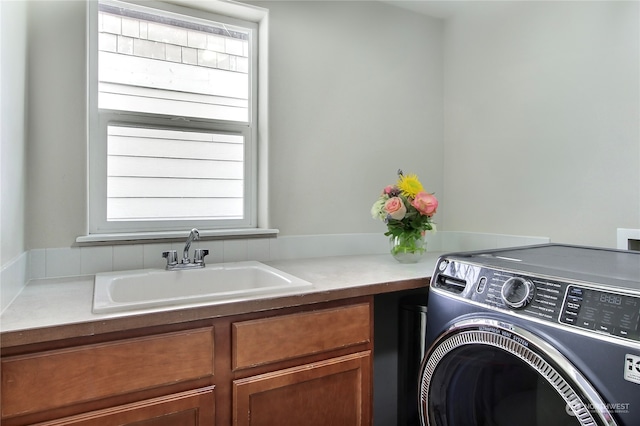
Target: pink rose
pixel 387 189
pixel 395 208
pixel 425 203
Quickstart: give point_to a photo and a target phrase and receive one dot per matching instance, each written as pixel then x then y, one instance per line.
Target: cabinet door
pixel 331 392
pixel 191 408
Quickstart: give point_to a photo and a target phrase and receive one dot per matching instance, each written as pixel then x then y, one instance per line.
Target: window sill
pixel 168 235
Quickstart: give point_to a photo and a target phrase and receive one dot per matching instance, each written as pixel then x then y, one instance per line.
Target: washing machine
pixel 544 335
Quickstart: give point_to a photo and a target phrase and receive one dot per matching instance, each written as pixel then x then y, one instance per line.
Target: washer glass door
pixel 492 374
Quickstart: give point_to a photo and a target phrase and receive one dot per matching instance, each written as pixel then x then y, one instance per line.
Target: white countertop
pixel 62 302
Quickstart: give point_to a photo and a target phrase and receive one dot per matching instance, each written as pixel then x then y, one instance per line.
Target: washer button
pixel 482 284
pixel 622 332
pixel 587 324
pixel 573 306
pixel 575 291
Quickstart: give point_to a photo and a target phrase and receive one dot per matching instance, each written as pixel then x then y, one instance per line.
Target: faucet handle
pixel 171 256
pixel 199 254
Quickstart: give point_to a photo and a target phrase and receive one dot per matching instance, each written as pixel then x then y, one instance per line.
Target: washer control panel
pixel 584 306
pixel 603 311
pixel 527 295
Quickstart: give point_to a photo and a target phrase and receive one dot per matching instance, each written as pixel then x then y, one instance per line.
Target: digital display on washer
pixel 602 311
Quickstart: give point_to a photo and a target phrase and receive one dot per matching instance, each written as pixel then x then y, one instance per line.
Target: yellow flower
pixel 409 185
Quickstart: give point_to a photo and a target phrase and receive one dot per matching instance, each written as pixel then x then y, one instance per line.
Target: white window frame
pixel 255 219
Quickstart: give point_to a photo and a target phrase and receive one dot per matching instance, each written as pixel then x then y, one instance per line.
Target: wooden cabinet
pixel 307 365
pixel 53 379
pixel 331 391
pixel 269 340
pixel 164 378
pixel 191 408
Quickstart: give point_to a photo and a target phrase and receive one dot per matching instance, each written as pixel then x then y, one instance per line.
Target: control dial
pixel 517 292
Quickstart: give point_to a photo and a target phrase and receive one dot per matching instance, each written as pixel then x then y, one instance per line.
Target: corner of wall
pixel 13 278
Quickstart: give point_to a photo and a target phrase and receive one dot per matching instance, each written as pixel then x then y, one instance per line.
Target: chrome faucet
pixel 185 263
pixel 193 236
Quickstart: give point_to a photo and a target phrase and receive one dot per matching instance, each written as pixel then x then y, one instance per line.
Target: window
pixel 172 119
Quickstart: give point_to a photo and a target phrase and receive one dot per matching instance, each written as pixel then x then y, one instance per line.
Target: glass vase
pixel 408 248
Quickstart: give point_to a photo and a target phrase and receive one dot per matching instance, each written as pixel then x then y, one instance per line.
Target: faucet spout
pixel 185 263
pixel 193 236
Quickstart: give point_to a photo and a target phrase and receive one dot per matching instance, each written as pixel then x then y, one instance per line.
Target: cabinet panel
pixel 184 409
pixel 268 340
pixel 57 378
pixel 332 392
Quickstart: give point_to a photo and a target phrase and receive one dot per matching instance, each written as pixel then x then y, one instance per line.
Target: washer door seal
pixel 582 401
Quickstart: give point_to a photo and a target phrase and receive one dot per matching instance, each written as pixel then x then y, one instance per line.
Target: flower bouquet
pixel 407 210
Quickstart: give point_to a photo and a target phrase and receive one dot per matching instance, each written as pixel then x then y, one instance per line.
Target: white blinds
pixel 167 174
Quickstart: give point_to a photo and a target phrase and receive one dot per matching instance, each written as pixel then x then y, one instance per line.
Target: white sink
pixel 150 288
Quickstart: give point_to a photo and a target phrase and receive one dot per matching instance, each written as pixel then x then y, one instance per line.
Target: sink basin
pixel 150 288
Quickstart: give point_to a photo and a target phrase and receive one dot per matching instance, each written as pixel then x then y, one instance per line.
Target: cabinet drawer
pixel 46 380
pixel 268 340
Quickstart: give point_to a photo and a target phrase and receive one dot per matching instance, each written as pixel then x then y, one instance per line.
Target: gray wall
pixel 541 119
pixel 355 94
pixel 521 116
pixel 57 154
pixel 13 128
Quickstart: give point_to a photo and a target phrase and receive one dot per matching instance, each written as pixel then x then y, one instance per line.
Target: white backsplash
pixel 62 262
pixel 13 277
